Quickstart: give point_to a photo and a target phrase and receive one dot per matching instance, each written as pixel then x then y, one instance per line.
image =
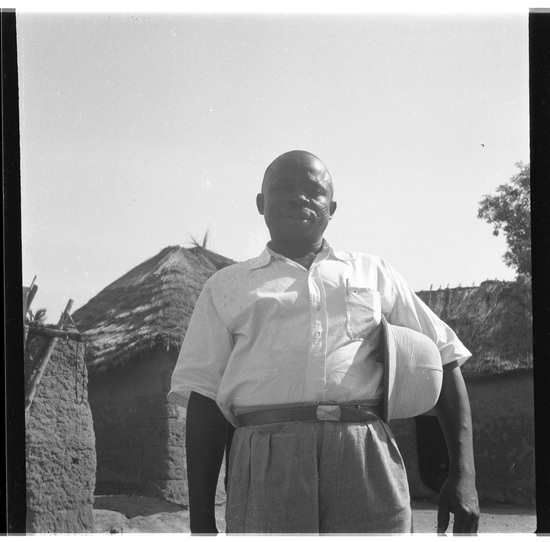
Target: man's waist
pixel 356 411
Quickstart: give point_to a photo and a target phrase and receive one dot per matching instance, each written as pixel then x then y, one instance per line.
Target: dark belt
pixel 307 413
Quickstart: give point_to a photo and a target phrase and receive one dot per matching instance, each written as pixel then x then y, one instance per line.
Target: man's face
pixel 296 199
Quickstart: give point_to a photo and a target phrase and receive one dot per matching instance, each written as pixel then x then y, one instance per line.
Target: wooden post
pixel 29 396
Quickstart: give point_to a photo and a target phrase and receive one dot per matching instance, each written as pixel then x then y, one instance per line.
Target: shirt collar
pixel 268 255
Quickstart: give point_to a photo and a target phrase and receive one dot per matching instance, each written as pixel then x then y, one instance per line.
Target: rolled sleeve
pixel 204 353
pixel 410 311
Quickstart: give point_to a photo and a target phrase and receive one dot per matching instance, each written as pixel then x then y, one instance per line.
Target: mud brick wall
pixel 139 435
pixel 504 440
pixel 176 464
pixel 504 443
pixel 60 442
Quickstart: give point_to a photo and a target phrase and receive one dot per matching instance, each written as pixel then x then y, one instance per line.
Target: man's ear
pixel 260 203
pixel 333 206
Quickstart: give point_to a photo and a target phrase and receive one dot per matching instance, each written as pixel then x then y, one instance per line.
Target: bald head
pixel 297 202
pixel 297 161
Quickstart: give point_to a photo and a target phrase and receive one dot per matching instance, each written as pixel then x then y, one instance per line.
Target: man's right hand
pixel 206 435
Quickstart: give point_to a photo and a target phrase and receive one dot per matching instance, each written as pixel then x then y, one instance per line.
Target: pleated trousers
pixel 317 477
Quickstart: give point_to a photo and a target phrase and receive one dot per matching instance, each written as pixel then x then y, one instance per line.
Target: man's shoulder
pixel 237 269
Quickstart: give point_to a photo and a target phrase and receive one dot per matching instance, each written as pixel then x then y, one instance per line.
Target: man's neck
pixel 304 254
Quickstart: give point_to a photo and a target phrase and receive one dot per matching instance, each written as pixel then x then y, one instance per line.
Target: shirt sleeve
pixel 410 311
pixel 204 353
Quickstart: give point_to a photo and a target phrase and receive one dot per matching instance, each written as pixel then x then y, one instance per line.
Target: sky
pixel 141 130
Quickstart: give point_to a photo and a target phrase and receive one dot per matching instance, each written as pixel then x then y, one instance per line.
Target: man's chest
pixel 330 296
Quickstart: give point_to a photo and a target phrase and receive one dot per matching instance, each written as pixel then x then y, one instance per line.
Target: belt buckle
pixel 328 413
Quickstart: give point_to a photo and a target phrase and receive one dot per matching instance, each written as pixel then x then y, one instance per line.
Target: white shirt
pixel 268 331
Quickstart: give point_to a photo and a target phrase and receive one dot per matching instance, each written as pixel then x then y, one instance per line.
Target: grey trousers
pixel 317 477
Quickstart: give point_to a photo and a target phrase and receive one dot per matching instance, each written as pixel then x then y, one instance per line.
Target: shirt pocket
pixel 363 311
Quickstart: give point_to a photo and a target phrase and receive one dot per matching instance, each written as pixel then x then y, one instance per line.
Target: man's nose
pixel 299 198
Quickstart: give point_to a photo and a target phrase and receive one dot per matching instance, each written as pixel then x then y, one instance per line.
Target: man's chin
pixel 297 232
pixel 297 237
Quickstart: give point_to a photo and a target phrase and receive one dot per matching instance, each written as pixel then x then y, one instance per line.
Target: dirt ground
pixel 136 514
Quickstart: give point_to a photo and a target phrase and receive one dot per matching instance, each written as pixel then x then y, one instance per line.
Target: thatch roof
pixel 149 305
pixel 493 320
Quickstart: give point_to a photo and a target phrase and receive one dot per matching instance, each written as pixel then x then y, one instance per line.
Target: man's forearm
pixel 454 414
pixel 206 430
pixel 458 494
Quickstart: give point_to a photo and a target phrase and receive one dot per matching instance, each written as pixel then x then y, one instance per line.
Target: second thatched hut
pixel 494 320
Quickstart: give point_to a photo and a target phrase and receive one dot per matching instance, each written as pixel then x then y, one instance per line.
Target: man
pixel 284 344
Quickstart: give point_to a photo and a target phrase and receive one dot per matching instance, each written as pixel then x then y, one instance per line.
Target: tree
pixel 509 211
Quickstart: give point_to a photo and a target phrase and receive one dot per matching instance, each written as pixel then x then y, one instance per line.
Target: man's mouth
pixel 301 216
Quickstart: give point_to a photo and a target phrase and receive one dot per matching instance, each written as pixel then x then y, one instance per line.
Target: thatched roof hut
pixel 149 306
pixel 134 329
pixel 494 321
